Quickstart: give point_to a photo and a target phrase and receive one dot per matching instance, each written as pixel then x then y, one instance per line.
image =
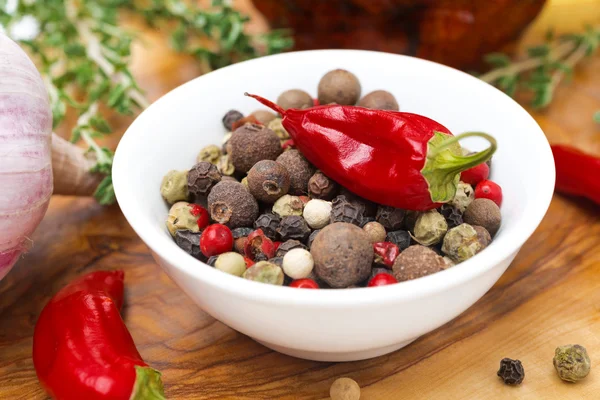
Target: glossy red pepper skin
pixel 377 154
pixel 577 172
pixel 82 348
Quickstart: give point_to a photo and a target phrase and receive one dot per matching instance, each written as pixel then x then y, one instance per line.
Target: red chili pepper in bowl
pixel 577 172
pixel 394 158
pixel 82 348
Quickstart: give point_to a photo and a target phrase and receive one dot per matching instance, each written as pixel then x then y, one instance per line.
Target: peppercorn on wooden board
pixel 547 298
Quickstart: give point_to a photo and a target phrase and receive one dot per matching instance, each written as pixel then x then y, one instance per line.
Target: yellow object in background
pixel 563 16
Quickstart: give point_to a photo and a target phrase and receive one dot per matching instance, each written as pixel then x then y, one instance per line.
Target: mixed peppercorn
pixel 255 207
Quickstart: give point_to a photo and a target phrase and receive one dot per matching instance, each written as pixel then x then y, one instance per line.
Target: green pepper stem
pixel 444 163
pixel 148 385
pixel 467 161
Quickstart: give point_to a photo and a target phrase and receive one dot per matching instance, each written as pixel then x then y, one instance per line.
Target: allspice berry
pixel 339 86
pixel 344 389
pixel 264 116
pixel 343 254
pixel 294 98
pixel 483 236
pixel 174 188
pixel 252 143
pixel 299 170
pixel 321 187
pixel 231 204
pixel 379 100
pixel 375 231
pixel 202 178
pixel 417 261
pixel 268 180
pixel 485 213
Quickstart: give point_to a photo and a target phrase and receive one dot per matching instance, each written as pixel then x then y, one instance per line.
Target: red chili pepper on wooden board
pixel 394 158
pixel 82 348
pixel 577 172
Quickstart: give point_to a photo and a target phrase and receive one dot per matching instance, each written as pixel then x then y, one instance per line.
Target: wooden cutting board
pixel 548 297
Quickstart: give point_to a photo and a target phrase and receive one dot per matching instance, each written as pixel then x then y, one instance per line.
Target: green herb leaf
pixel 497 60
pixel 597 116
pixel 105 192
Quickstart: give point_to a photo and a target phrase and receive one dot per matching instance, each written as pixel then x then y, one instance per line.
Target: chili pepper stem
pixel 267 103
pixel 148 385
pixel 445 163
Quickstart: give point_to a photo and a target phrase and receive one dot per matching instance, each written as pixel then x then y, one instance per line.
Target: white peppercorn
pixel 231 263
pixel 316 213
pixel 298 263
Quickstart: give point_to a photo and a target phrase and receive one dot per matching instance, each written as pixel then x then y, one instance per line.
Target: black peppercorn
pixel 511 371
pixel 241 232
pixel 369 207
pixel 269 224
pixel 344 211
pixel 277 261
pixel 321 187
pixel 399 238
pixel 260 257
pixel 212 260
pixel 312 237
pixel 391 218
pixel 452 215
pixel 289 245
pixel 293 227
pixel 202 178
pixel 230 117
pixel 190 242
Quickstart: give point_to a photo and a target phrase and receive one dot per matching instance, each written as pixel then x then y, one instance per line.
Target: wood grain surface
pixel 548 297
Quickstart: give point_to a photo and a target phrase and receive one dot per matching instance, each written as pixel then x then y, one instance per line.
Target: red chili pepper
pixel 474 175
pixel 394 158
pixel 487 189
pixel 386 253
pixel 83 350
pixel 577 173
pixel 257 243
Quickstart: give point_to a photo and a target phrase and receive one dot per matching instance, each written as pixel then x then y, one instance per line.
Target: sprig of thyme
pixel 83 55
pixel 544 67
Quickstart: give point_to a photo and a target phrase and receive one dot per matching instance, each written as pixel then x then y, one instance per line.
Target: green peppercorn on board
pixel 547 298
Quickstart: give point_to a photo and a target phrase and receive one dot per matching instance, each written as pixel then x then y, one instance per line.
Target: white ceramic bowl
pixel 349 324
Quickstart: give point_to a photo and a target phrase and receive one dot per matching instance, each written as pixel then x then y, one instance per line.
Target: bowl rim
pixel 501 249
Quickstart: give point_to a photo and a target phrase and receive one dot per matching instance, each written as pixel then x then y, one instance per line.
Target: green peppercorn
pixel 225 166
pixel 276 126
pixel 265 272
pixel 231 263
pixel 288 205
pixel 181 217
pixel 211 153
pixel 462 243
pixel 572 362
pixel 430 228
pixel 173 187
pixel 463 197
